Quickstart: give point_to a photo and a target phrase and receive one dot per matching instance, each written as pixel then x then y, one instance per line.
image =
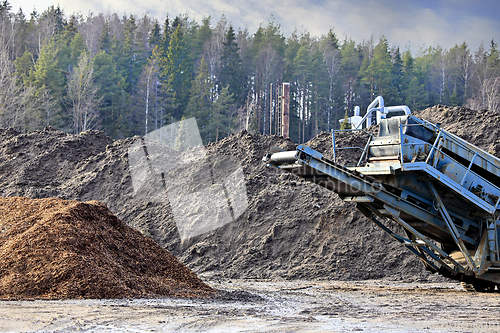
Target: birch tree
pixel 83 95
pixel 16 100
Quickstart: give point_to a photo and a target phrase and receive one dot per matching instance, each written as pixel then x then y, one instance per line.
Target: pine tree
pixel 350 67
pixel 378 73
pixel 493 59
pixel 302 64
pixel 230 69
pixel 222 119
pixel 363 89
pixel 24 65
pixel 177 75
pixel 292 48
pixel 319 94
pixel 200 102
pixel 77 47
pixel 200 36
pixel 415 94
pixel 47 75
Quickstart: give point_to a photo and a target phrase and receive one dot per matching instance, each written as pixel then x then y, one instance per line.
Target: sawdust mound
pixel 61 249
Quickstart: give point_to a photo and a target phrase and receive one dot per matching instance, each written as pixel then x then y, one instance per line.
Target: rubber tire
pixel 479 286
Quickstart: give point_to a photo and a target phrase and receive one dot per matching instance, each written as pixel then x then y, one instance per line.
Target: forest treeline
pixel 129 75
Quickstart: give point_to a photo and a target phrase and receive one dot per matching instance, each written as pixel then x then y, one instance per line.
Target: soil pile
pixel 291 229
pixel 60 249
pixel 294 229
pixel 481 128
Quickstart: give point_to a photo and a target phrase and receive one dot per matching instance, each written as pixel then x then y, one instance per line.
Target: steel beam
pixel 395 216
pixel 453 229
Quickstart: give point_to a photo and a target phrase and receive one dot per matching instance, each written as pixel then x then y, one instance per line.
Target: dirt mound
pixel 291 229
pixel 481 128
pixel 294 229
pixel 323 143
pixel 60 249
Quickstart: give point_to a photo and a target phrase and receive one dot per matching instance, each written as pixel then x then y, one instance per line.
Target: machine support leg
pixel 453 229
pixel 395 216
pixel 407 242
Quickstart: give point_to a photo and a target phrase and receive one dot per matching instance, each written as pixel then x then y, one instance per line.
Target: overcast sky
pixel 405 23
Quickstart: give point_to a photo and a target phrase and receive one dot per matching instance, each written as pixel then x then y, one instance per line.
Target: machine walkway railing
pixel 364 150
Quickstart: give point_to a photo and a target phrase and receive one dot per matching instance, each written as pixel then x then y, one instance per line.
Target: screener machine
pixel 443 191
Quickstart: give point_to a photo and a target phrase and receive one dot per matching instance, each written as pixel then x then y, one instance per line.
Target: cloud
pixel 404 23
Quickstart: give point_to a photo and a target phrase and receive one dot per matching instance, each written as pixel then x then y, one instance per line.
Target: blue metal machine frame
pixel 442 190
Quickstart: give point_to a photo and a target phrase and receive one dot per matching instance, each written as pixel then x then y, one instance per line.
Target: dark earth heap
pixel 291 229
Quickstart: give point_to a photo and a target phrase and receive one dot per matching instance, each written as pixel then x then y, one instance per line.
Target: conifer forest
pixel 129 75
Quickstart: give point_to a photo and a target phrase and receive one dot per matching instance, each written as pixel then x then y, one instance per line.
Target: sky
pixel 408 24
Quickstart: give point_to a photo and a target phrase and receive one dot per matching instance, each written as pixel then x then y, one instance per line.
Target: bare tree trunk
pixel 304 111
pixel 147 104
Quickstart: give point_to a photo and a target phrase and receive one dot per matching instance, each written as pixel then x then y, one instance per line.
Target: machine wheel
pixel 468 286
pixel 479 286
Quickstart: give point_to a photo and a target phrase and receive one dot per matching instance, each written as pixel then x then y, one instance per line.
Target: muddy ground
pixel 272 306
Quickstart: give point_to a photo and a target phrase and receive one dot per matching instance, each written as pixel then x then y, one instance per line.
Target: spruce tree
pixel 396 84
pixel 345 125
pixel 221 121
pixel 105 38
pixel 231 75
pixel 155 35
pixel 200 102
pixel 177 76
pixel 111 90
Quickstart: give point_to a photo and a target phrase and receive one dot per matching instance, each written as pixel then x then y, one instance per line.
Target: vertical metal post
pixel 286 103
pixel 271 110
pixel 333 146
pixel 400 141
pixel 277 114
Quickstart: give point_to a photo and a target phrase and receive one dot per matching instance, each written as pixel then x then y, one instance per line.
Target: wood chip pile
pixel 64 249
